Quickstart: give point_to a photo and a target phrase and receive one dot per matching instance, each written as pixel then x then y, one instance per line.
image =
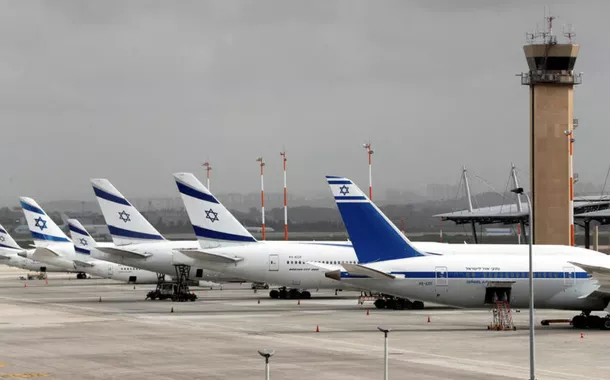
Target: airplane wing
pixel 82 264
pixel 599 273
pixel 361 270
pixel 123 252
pixel 210 256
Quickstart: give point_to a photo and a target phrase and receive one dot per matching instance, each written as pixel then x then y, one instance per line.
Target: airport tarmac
pixel 61 330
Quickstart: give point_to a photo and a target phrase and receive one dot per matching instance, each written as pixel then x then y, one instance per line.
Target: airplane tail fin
pixel 80 237
pixel 6 240
pixel 125 223
pixel 373 235
pixel 43 229
pixel 214 225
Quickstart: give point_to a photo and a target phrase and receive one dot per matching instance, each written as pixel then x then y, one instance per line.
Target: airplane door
pixel 568 276
pixel 441 276
pixel 274 262
pixel 110 269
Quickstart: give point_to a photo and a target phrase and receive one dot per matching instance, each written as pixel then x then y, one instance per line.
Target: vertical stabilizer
pixel 125 223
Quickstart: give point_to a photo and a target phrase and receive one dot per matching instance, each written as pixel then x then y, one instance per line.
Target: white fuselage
pixel 162 258
pixel 70 260
pixel 469 281
pixel 286 263
pixel 11 258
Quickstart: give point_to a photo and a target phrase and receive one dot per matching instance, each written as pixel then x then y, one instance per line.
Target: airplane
pixel 84 243
pixel 137 243
pixel 53 247
pixel 228 247
pixel 572 278
pixel 9 255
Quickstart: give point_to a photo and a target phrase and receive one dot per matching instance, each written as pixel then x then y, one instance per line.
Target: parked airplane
pixel 9 255
pixel 139 244
pixel 573 278
pixel 84 244
pixel 53 247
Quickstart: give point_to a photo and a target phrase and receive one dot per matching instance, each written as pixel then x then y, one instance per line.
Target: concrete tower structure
pixel 551 81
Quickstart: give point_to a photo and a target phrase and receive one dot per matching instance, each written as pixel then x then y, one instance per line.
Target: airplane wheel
pixel 605 324
pixel 274 294
pixel 417 305
pixel 380 303
pixel 390 304
pixel 595 322
pixel 579 322
pixel 294 294
pixel 305 295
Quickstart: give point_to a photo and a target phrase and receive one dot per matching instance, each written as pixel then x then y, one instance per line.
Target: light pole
pixel 530 240
pixel 207 167
pixel 370 152
pixel 262 165
pixel 385 351
pixel 266 353
pixel 283 154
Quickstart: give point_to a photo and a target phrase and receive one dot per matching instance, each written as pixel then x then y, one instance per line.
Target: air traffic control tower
pixel 551 81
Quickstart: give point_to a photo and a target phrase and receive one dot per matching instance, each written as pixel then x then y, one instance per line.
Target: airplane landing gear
pixel 390 302
pixel 81 276
pixel 284 293
pixel 586 320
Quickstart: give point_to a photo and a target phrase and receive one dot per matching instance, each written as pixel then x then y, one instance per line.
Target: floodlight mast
pixel 370 152
pixel 208 168
pixel 284 159
pixel 262 165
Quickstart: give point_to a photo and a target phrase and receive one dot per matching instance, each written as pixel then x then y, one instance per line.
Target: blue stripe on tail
pixel 31 208
pixel 39 236
pixel 77 230
pixel 211 234
pixel 187 190
pixel 117 231
pixel 110 197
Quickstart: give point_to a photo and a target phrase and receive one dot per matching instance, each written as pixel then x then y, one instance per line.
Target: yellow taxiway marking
pixel 3 365
pixel 22 375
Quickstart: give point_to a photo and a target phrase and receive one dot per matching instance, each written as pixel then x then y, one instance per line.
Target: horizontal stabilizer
pixel 123 252
pixel 82 264
pixel 360 270
pixel 210 256
pixel 44 252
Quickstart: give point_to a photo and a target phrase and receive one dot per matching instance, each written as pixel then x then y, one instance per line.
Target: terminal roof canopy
pixel 510 214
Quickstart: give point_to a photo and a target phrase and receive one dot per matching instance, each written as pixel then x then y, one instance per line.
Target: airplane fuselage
pixel 478 281
pixel 162 258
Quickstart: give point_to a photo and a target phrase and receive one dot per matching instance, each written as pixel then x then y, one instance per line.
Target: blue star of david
pixel 83 241
pixel 210 214
pixel 2 238
pixel 40 223
pixel 344 190
pixel 124 216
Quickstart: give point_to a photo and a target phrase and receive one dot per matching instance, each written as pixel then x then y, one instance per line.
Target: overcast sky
pixel 136 90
